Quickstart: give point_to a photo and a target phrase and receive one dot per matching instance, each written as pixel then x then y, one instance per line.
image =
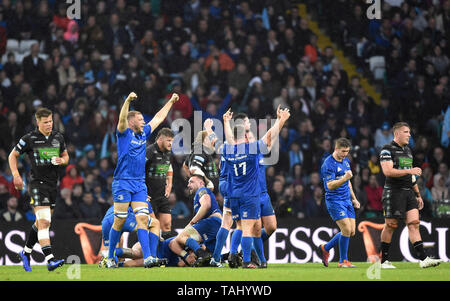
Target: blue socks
pixel 114 237
pixel 192 244
pixel 142 235
pixel 221 237
pixel 153 241
pixel 264 235
pixel 343 247
pixel 235 241
pixel 259 248
pixel 119 252
pixel 333 242
pixel 246 245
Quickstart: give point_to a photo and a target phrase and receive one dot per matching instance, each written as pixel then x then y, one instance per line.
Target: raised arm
pixel 227 127
pixel 162 114
pixel 272 134
pixel 123 122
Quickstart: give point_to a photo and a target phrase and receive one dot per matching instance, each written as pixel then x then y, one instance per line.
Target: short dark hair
pixel 239 131
pixel 200 177
pixel 342 143
pixel 400 124
pixel 42 112
pixel 240 116
pixel 165 132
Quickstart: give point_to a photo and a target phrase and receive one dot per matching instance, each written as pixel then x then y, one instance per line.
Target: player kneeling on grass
pixel 340 200
pixel 204 225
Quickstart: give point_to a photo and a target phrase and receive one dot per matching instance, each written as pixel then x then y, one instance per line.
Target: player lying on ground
pixel 203 226
pixel 167 257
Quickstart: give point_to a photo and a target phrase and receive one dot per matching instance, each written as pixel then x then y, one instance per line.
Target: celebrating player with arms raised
pixel 128 186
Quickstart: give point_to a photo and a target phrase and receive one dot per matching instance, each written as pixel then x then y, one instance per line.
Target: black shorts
pixel 396 202
pixel 42 194
pixel 160 204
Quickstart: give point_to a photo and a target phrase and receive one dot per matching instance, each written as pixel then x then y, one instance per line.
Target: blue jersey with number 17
pixel 243 168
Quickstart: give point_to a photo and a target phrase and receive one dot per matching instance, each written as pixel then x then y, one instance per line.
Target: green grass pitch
pixel 405 271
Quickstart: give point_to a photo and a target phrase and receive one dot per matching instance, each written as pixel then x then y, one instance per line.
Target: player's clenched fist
pixel 348 174
pixel 18 182
pixel 174 98
pixel 132 96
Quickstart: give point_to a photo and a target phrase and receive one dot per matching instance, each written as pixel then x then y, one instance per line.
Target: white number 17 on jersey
pixel 244 168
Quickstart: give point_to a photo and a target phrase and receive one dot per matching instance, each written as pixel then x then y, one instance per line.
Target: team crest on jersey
pixel 55 143
pixel 342 213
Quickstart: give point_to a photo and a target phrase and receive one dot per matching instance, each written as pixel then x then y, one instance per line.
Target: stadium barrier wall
pixel 295 241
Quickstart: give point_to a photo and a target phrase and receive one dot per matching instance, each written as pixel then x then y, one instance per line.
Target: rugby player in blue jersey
pixel 243 181
pixel 340 200
pixel 130 225
pixel 227 219
pixel 128 186
pixel 203 226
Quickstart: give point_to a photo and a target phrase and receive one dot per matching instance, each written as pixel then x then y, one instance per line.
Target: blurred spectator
pixel 374 192
pixel 11 214
pixel 65 208
pixel 439 190
pixel 178 209
pixel 299 200
pixel 426 197
pixel 89 208
pixel 315 205
pixel 284 206
pixel 71 178
pixel 383 136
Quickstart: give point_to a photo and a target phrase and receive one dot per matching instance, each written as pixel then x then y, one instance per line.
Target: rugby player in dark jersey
pixel 46 150
pixel 158 178
pixel 401 197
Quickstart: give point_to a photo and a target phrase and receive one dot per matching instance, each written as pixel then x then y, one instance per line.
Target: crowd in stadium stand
pixel 251 55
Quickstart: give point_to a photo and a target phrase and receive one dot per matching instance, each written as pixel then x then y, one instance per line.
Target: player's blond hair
pixel 132 114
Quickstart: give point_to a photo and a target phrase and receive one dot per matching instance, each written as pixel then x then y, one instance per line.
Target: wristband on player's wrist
pixel 16 174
